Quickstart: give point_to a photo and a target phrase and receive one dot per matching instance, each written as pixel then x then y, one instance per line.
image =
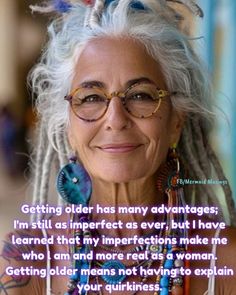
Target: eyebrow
pixel 139 80
pixel 90 84
pixel 99 84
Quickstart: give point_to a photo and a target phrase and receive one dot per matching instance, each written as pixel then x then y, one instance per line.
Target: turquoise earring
pixel 74 183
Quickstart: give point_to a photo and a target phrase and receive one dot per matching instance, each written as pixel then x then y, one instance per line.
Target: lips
pixel 119 148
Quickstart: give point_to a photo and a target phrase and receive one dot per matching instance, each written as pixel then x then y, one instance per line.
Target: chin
pixel 117 171
pixel 122 176
pixel 117 179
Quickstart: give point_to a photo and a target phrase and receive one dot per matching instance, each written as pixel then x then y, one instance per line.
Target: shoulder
pixel 226 262
pixel 226 253
pixel 16 264
pixel 222 243
pixel 218 258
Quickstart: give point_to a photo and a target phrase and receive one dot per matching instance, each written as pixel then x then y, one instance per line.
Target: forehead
pixel 116 60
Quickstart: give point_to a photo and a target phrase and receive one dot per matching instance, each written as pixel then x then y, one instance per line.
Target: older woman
pixel 136 114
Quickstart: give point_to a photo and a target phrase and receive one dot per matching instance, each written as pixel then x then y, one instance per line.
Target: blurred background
pixel 22 36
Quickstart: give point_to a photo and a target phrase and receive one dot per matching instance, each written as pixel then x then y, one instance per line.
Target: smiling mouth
pixel 119 148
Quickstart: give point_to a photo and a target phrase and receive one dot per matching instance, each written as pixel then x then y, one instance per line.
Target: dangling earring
pixel 174 190
pixel 75 187
pixel 169 183
pixel 74 183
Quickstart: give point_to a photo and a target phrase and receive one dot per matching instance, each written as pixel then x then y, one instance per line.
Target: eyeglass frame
pixel 122 95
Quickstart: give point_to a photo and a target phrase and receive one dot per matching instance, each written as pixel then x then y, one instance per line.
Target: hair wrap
pixel 63 6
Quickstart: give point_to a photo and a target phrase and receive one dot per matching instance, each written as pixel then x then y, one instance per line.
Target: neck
pixel 140 193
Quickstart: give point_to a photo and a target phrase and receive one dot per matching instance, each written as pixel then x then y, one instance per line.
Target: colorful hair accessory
pixel 191 5
pixel 108 2
pixel 61 6
pixel 88 2
pixel 135 4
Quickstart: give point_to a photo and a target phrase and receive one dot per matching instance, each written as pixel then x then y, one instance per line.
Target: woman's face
pixel 119 147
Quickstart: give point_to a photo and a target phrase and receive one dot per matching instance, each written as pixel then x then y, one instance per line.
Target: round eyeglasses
pixel 140 100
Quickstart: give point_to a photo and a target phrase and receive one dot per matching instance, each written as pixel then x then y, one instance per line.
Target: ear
pixel 177 122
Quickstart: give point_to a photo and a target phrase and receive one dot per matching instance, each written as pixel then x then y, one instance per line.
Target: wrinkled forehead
pixel 114 61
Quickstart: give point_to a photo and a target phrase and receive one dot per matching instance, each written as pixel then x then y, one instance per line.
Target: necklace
pixel 111 281
pixel 118 268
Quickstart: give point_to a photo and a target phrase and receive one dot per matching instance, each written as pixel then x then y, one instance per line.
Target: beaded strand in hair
pixel 42 143
pixel 47 164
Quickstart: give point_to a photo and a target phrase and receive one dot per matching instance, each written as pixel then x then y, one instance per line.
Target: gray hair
pixel 156 25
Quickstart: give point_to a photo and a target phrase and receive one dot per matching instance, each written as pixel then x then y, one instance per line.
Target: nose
pixel 117 117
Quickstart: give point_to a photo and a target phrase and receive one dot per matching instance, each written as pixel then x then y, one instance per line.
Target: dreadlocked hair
pixel 156 25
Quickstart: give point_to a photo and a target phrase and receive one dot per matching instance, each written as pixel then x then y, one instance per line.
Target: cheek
pixel 158 140
pixel 80 134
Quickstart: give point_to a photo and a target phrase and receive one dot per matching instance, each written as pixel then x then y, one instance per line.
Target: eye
pixel 141 96
pixel 93 98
